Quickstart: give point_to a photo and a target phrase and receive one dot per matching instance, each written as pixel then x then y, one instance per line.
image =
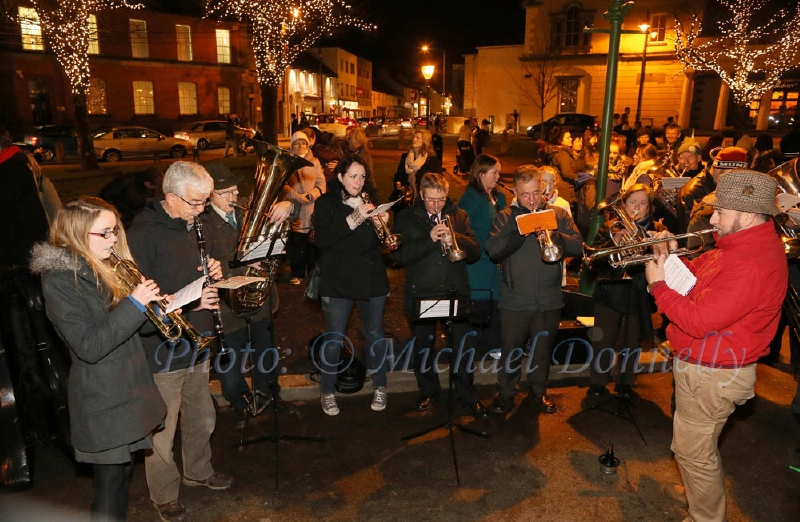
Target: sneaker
pixel 503 404
pixel 171 511
pixel 217 481
pixel 329 405
pixel 379 399
pixel 294 281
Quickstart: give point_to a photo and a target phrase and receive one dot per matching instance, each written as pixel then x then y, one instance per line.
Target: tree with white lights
pixel 281 30
pixel 65 26
pixel 750 57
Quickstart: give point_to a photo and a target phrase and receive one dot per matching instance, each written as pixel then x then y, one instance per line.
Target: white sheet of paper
pixel 433 308
pixel 237 282
pixel 262 250
pixel 187 294
pixel 670 183
pixel 380 209
pixel 786 201
pixel 677 276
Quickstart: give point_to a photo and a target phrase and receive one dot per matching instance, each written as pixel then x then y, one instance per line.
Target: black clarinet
pixel 224 349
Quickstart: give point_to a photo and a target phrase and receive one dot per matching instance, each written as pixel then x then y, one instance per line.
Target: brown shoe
pixel 217 481
pixel 677 493
pixel 171 511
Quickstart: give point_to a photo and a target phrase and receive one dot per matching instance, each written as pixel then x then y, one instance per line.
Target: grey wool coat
pixel 112 398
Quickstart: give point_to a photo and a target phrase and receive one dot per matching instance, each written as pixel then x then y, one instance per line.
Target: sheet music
pixel 262 250
pixel 433 308
pixel 677 276
pixel 237 282
pixel 187 294
pixel 670 183
pixel 380 209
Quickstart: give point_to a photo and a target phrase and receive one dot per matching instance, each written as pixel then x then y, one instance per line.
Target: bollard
pixel 60 155
pixel 504 142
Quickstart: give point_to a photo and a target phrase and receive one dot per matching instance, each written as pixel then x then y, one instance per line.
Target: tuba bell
pixel 273 169
pixel 788 183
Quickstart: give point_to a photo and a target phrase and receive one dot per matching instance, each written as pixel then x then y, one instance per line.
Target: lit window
pixel 31 29
pixel 223 46
pixel 568 95
pixel 96 97
pixel 224 97
pixel 139 47
pixel 143 102
pixel 184 34
pixel 94 41
pixel 187 97
pixel 658 28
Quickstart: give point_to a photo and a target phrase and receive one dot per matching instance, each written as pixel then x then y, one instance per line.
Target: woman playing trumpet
pixel 113 403
pixel 351 272
pixel 622 306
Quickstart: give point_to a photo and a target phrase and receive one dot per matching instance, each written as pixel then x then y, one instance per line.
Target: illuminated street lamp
pixel 427 73
pixel 644 26
pixel 426 48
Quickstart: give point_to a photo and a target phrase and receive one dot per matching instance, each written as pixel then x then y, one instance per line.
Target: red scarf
pixel 8 152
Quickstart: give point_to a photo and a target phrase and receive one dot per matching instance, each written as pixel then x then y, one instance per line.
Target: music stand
pixel 621 405
pixel 277 408
pixel 431 309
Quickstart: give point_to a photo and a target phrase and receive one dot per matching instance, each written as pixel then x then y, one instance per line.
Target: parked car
pixel 114 144
pixel 421 122
pixel 575 122
pixel 42 141
pixel 382 126
pixel 209 133
pixel 407 123
pixel 332 123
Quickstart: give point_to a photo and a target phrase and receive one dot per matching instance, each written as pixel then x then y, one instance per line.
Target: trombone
pixel 632 254
pixel 453 253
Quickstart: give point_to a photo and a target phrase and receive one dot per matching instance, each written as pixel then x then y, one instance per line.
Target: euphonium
pixel 129 274
pixel 274 167
pixel 788 183
pixel 389 240
pixel 452 252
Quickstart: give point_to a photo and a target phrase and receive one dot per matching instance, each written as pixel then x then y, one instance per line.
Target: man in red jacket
pixel 721 328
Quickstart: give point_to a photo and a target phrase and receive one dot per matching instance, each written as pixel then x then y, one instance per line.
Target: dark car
pixel 42 141
pixel 576 124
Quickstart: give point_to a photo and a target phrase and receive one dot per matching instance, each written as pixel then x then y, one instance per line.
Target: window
pixel 187 97
pixel 184 34
pixel 567 28
pixel 568 94
pixel 96 97
pixel 223 46
pixel 139 47
pixel 143 98
pixel 94 41
pixel 341 64
pixel 31 29
pixel 352 68
pixel 224 97
pixel 658 28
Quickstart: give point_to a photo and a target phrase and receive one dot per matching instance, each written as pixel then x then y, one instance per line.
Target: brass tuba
pixel 788 183
pixel 129 274
pixel 273 169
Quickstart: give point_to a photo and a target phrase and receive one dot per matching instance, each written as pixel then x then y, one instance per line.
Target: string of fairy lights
pixel 283 29
pixel 749 58
pixel 65 24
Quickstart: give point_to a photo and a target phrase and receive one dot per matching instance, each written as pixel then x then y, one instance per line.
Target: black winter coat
pixel 113 400
pixel 350 261
pixel 430 274
pixel 167 252
pixel 432 164
pixel 690 194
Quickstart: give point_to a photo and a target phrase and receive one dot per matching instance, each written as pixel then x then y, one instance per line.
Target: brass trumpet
pixel 453 253
pixel 633 254
pixel 551 252
pixel 130 275
pixel 389 240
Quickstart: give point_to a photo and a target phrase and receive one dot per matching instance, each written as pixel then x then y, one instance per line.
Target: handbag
pixel 312 285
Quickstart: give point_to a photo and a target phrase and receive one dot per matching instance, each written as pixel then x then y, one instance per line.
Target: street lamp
pixel 644 26
pixel 427 73
pixel 426 48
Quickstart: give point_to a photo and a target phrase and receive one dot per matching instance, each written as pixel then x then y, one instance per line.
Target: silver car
pixel 129 142
pixel 209 133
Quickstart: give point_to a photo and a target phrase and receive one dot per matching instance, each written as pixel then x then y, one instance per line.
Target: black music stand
pixel 277 408
pixel 426 311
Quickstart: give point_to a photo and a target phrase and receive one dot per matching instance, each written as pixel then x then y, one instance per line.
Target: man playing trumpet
pixel 530 298
pixel 437 245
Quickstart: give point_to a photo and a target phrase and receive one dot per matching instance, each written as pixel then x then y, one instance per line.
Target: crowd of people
pixel 473 254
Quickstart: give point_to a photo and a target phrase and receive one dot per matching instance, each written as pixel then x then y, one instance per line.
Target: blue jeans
pixel 337 313
pixel 262 359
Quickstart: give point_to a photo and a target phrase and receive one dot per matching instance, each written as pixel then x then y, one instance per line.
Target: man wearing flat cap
pixel 221 224
pixel 721 328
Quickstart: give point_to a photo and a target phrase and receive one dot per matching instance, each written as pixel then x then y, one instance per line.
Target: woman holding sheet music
pixel 351 272
pixel 622 306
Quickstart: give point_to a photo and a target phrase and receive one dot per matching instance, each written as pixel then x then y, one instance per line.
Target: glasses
pixel 107 233
pixel 436 200
pixel 531 194
pixel 226 193
pixel 195 205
